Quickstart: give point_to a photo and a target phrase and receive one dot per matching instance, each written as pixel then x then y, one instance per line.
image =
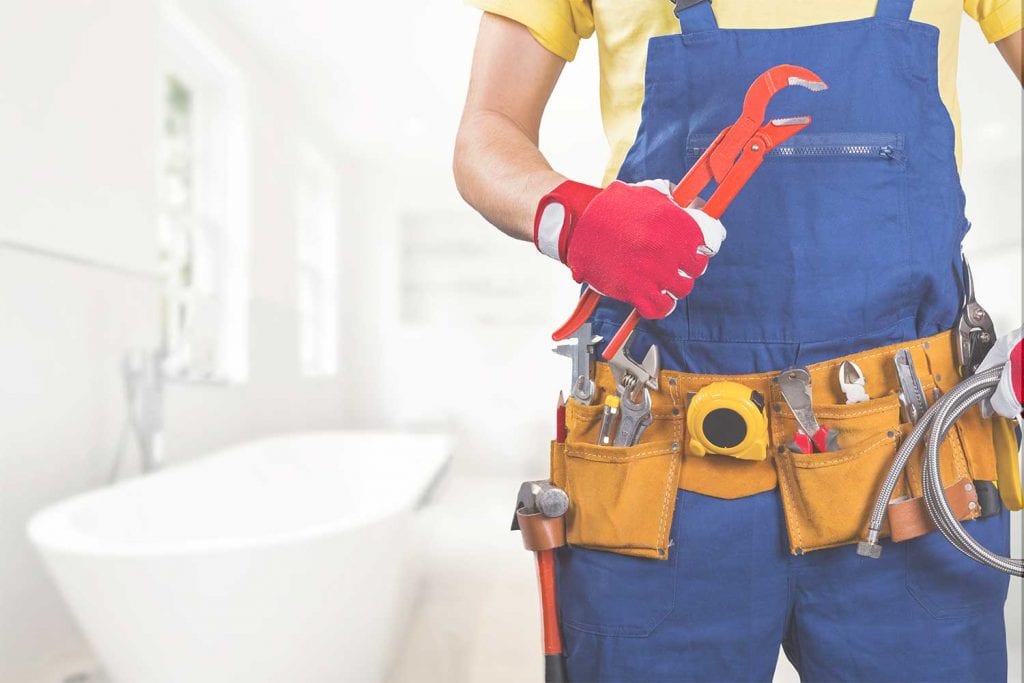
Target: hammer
pixel 540 508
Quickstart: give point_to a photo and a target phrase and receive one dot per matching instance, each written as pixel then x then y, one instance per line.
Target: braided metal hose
pixel 934 494
pixel 937 421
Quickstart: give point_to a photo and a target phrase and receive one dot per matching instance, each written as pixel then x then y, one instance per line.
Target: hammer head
pixel 541 497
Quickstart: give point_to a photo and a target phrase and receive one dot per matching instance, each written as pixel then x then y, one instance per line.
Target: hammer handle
pixel 554 662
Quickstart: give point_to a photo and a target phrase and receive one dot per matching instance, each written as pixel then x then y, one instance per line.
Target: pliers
pixel 825 440
pixel 810 437
pixel 730 161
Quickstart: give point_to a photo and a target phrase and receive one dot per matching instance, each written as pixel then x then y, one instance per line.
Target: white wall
pixel 72 108
pixel 77 283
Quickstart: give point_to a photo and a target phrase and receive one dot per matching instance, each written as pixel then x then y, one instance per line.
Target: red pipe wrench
pixel 730 161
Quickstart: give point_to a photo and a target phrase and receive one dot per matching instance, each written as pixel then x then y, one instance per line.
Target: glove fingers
pixel 679 285
pixel 693 263
pixel 655 306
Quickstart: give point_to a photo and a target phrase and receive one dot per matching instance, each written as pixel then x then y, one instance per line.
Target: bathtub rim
pixel 50 530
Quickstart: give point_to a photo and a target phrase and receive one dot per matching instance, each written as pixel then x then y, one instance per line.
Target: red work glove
pixel 1008 352
pixel 630 242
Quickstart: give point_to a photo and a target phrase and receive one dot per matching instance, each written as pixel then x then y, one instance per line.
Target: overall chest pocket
pixel 818 237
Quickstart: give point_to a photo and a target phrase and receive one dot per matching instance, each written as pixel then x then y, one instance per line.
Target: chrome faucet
pixel 144 382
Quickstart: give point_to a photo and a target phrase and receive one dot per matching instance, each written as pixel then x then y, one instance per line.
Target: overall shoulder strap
pixel 695 15
pixel 894 9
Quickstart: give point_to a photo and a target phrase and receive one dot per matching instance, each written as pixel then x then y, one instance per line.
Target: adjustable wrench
pixel 730 161
pixel 632 380
pixel 579 348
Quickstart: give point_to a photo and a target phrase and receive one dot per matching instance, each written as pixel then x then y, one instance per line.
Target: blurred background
pixel 263 190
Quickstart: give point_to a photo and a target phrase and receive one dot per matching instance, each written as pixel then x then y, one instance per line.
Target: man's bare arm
pixel 1010 49
pixel 498 167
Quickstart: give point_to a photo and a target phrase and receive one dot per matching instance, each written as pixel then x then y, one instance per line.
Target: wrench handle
pixel 684 194
pixel 623 333
pixel 584 309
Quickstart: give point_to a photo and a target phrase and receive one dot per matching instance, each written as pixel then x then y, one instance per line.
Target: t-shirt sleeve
pixel 998 18
pixel 558 25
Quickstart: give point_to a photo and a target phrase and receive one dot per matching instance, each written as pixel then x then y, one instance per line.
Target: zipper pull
pixel 887 152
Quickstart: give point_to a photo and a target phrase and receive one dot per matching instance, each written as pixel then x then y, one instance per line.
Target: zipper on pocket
pixel 887 152
pixel 825 145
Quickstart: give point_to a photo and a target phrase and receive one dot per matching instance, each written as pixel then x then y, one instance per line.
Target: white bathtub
pixel 283 560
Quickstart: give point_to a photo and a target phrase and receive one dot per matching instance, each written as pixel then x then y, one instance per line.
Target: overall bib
pixel 846 239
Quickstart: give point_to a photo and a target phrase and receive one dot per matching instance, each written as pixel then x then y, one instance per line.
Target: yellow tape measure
pixel 727 418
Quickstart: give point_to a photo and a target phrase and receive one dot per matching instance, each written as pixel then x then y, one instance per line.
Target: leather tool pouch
pixel 621 499
pixel 540 532
pixel 828 497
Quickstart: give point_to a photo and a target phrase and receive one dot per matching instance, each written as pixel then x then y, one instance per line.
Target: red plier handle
pixel 730 160
pixel 825 440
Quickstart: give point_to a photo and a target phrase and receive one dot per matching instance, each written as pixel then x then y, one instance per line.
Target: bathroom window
pixel 316 214
pixel 203 232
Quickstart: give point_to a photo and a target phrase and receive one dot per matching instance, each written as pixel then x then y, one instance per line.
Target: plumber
pixel 685 564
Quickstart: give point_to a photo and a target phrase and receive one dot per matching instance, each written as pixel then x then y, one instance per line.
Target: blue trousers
pixel 730 594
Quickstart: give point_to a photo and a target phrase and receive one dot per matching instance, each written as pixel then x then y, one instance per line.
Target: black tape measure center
pixel 725 428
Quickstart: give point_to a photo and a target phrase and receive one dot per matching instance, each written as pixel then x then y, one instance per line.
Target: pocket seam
pixel 787 473
pixel 672 484
pixel 643 451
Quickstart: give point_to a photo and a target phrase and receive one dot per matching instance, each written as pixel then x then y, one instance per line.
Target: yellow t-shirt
pixel 624 26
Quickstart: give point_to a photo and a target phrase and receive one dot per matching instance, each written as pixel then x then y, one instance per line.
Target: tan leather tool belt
pixel 622 498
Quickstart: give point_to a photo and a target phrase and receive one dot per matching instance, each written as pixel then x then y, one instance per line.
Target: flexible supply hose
pixel 936 422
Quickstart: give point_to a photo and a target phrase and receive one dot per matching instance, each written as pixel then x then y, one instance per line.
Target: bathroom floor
pixel 467 628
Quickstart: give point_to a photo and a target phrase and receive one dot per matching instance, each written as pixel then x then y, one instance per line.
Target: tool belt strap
pixel 622 498
pixel 935 362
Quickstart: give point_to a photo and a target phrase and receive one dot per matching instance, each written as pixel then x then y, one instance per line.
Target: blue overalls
pixel 845 240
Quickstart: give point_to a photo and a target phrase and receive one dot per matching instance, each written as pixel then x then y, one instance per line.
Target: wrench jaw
pixel 632 375
pixel 775 79
pixel 777 131
pixel 634 382
pixel 814 85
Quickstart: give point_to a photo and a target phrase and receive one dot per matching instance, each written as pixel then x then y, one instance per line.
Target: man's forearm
pixel 499 169
pixel 500 172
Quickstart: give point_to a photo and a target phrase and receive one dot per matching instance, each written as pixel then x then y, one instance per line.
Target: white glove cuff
pixel 549 229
